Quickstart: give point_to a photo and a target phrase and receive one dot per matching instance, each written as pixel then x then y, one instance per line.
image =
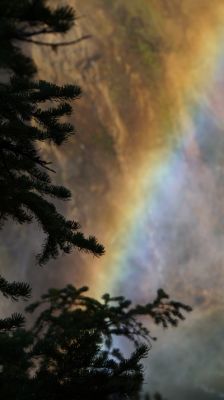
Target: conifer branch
pixel 14 290
pixel 13 322
pixel 4 145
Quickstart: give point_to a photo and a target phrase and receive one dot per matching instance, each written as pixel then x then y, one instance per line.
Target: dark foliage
pixel 68 354
pixel 20 22
pixel 33 112
pixel 14 291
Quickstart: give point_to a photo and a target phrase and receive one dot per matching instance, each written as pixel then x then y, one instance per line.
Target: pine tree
pixel 32 112
pixel 69 350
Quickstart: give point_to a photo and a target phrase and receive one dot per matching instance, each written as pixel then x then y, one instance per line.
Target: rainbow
pixel 194 79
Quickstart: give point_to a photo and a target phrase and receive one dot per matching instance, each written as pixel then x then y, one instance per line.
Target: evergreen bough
pixel 33 112
pixel 68 354
pixel 14 291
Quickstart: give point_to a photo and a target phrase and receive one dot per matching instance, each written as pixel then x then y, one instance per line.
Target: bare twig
pixel 55 44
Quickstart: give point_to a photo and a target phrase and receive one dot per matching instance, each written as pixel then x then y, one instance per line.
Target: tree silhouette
pixel 69 353
pixel 32 112
pixel 14 291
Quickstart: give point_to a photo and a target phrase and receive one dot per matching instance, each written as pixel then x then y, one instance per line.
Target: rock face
pixel 113 115
pixel 143 111
pixel 146 165
pixel 119 69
